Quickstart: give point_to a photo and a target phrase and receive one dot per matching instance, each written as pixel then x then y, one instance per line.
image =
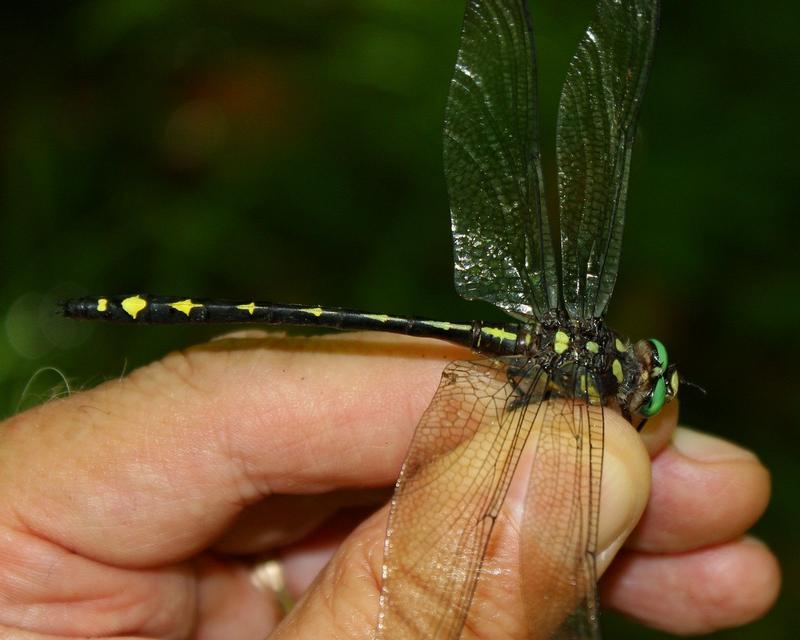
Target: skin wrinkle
pixel 150 469
pixel 241 474
pixel 339 577
pixel 188 368
pixel 281 411
pixel 370 558
pixel 339 425
pixel 364 567
pixel 352 448
pixel 26 526
pixel 264 421
pixel 712 604
pixel 9 540
pixel 179 365
pixel 102 596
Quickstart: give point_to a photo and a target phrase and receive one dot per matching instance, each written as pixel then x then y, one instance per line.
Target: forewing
pixel 503 250
pixel 448 495
pixel 562 510
pixel 596 125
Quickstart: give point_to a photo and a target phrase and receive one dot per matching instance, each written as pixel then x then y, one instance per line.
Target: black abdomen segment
pixel 146 309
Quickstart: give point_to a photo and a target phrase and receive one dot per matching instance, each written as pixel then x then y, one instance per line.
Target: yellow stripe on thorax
pixel 588 387
pixel 616 369
pixel 496 332
pixel 446 326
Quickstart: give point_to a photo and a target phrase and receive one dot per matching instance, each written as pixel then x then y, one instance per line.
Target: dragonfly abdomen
pixel 148 309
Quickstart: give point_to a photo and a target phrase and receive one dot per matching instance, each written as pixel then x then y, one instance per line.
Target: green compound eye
pixel 656 401
pixel 661 353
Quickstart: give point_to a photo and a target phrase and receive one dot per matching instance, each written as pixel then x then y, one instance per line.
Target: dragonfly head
pixel 658 380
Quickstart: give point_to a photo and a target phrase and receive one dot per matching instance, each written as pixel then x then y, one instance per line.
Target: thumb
pixel 343 601
pixel 625 488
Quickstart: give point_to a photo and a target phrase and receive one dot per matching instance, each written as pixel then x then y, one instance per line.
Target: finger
pixel 191 440
pixel 697 592
pixel 50 590
pixel 705 491
pixel 625 487
pixel 344 598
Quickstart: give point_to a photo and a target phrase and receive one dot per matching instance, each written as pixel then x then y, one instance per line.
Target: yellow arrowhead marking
pixel 133 305
pixel 247 307
pixel 315 311
pixel 185 306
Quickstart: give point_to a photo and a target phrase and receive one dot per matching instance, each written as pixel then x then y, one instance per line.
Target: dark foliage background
pixel 291 150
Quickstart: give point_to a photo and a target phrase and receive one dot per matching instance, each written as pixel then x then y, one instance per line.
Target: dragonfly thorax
pixel 637 376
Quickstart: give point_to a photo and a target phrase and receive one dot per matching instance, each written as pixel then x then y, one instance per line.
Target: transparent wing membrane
pixel 448 497
pixel 503 249
pixel 596 125
pixel 453 481
pixel 562 511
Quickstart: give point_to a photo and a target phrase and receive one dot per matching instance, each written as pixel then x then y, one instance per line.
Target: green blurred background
pixel 291 150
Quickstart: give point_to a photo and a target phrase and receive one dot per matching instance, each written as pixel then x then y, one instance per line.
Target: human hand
pixel 136 509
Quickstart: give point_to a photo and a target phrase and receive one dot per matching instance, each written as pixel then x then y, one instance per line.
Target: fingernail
pixel 706 448
pixel 752 541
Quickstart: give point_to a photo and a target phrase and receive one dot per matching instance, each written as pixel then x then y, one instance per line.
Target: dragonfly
pixel 547 376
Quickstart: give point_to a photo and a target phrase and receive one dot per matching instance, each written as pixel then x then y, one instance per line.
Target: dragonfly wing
pixel 562 510
pixel 503 250
pixel 448 495
pixel 596 125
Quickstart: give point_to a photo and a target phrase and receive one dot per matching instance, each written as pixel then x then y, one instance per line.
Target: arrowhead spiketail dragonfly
pixel 551 371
